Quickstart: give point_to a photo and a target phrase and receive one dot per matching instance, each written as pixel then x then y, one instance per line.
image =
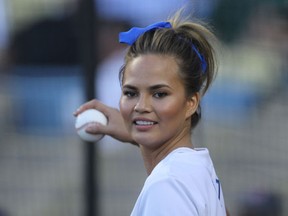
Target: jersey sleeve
pixel 167 197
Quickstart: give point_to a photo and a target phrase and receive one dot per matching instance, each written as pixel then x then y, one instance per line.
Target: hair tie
pixel 132 35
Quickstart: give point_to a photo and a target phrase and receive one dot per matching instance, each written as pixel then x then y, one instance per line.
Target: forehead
pixel 152 68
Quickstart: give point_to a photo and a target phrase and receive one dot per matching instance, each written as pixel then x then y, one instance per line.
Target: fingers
pixel 93 104
pixel 115 127
pixel 96 128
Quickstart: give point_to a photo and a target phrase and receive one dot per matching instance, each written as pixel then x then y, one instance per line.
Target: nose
pixel 143 105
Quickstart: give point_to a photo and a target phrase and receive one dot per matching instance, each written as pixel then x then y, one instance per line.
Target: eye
pixel 160 94
pixel 129 93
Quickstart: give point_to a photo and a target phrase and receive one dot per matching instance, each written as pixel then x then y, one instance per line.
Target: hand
pixel 115 126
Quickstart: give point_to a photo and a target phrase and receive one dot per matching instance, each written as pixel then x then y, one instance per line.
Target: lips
pixel 142 123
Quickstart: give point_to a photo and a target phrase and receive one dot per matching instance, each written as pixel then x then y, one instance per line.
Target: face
pixel 153 103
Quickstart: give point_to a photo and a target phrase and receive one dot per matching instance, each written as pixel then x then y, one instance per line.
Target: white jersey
pixel 184 183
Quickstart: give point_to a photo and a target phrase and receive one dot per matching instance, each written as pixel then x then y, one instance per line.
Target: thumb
pixel 96 128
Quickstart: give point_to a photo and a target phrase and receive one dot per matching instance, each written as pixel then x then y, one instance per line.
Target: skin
pixel 156 111
pixel 155 146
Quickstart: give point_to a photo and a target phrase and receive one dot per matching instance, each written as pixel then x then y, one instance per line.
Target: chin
pixel 147 141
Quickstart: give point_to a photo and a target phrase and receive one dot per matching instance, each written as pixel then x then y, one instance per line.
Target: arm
pixel 115 127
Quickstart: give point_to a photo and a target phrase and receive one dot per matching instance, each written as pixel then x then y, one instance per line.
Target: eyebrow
pixel 158 86
pixel 154 87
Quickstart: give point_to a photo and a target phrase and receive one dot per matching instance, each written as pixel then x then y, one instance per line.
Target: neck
pixel 152 157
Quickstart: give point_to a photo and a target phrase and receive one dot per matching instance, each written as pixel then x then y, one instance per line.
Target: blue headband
pixel 202 59
pixel 132 35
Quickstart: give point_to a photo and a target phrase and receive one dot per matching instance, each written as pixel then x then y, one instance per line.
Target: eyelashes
pixel 160 94
pixel 129 94
pixel 156 94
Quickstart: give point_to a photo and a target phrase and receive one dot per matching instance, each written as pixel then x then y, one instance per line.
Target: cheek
pixel 125 108
pixel 172 112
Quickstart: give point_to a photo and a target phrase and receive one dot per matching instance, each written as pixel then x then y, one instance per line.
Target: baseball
pixel 84 119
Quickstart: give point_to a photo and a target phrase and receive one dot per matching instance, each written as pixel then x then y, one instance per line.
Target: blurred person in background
pixel 50 48
pixel 168 68
pixel 253 69
pixel 110 59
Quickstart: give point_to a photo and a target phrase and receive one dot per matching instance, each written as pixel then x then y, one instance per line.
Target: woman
pixel 168 68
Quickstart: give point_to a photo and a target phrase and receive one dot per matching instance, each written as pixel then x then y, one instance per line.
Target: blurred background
pixel 46 53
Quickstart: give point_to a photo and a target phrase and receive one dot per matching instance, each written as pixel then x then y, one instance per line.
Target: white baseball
pixel 84 119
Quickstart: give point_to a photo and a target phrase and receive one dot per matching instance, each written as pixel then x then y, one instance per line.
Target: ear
pixel 192 104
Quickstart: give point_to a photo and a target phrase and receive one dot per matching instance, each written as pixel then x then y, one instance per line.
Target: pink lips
pixel 143 124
